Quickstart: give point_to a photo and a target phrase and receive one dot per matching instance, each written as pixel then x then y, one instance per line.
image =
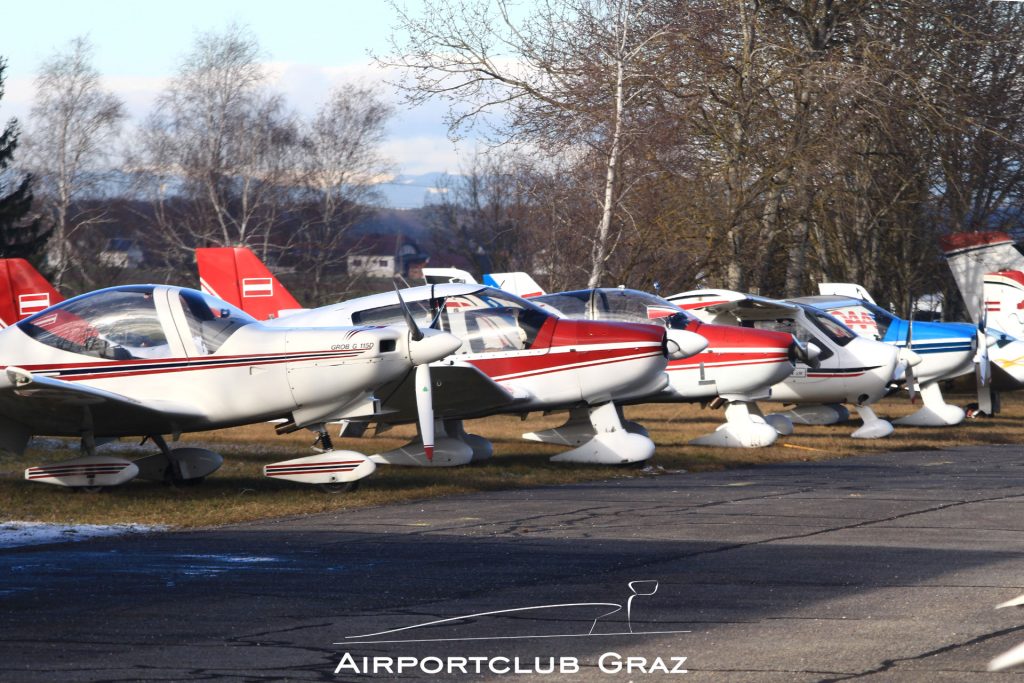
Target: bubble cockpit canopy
pixel 620 305
pixel 125 323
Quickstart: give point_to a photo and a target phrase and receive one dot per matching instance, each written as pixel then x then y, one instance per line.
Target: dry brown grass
pixel 239 491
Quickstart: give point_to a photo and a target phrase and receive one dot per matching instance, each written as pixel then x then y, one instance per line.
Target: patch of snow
pixel 14 534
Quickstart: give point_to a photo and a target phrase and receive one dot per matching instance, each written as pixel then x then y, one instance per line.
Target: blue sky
pixel 310 46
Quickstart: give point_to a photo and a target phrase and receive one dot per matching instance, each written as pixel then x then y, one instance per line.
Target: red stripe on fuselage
pixel 719 364
pixel 109 369
pixel 516 367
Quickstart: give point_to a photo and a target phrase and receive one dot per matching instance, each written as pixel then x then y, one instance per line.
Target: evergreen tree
pixel 19 236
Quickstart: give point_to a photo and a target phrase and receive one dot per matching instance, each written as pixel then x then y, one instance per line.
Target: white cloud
pixel 423 154
pixel 417 137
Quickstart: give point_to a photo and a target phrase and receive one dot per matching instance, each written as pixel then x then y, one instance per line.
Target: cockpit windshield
pixel 115 324
pixel 832 328
pixel 123 323
pixel 621 305
pixel 865 318
pixel 211 321
pixel 487 320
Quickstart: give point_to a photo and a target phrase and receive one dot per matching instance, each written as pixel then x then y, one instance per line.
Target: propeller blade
pixel 911 377
pixel 911 383
pixel 425 409
pixel 436 320
pixel 414 330
pixel 981 359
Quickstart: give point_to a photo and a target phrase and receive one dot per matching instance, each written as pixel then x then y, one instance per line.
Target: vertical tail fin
pixel 1004 301
pixel 237 276
pixel 23 291
pixel 518 283
pixel 972 254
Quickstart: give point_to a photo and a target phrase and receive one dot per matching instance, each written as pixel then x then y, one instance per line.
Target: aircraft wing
pixel 714 302
pixel 460 391
pixel 49 405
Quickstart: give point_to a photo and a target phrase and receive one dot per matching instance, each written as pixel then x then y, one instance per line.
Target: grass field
pixel 238 491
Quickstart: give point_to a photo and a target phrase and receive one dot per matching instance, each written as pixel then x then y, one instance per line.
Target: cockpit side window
pixel 211 321
pixel 113 324
pixel 883 318
pixel 832 328
pixel 571 304
pixel 487 320
pixel 391 315
pixel 791 326
pixel 490 322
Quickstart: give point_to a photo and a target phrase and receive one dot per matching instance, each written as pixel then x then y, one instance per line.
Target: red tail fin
pixel 235 275
pixel 23 291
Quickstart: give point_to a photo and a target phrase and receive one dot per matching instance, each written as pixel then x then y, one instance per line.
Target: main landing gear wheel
pixel 340 487
pixel 91 489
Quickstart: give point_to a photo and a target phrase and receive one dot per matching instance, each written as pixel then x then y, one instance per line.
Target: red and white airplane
pixel 737 368
pixel 514 357
pixel 850 369
pixel 150 360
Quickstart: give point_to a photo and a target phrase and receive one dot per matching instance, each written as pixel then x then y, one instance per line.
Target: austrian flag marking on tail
pixel 256 287
pixel 32 303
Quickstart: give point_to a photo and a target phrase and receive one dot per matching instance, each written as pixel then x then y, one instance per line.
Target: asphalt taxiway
pixel 883 567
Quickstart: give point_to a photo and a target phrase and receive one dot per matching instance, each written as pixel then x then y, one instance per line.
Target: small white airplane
pixel 989 271
pixel 514 357
pixel 850 370
pixel 947 350
pixel 150 360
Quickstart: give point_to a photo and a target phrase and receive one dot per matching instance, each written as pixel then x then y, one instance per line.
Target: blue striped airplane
pixel 947 350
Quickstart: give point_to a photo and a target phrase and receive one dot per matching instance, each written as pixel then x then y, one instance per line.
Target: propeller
pixel 424 348
pixel 982 365
pixel 911 379
pixel 415 333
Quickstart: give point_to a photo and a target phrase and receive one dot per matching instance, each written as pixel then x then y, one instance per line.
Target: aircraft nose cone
pixel 435 345
pixel 683 344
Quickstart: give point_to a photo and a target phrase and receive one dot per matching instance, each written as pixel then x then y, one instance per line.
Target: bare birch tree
pixel 341 160
pixel 217 154
pixel 571 74
pixel 74 125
